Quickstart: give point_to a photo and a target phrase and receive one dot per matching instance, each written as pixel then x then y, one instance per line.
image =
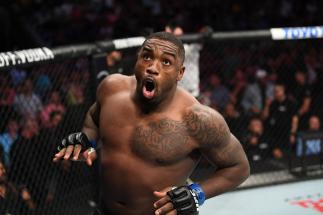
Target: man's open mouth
pixel 148 89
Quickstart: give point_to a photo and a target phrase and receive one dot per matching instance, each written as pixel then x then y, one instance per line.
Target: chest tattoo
pixel 163 140
pixel 169 140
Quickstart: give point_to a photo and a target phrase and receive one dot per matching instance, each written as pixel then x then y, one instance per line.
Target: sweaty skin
pixel 152 141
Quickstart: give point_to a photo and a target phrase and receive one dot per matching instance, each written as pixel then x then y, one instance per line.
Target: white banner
pixel 25 56
pixel 297 33
pixel 128 43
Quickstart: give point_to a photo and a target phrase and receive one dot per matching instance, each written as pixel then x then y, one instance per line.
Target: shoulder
pixel 114 81
pixel 113 84
pixel 204 113
pixel 191 106
pixel 206 125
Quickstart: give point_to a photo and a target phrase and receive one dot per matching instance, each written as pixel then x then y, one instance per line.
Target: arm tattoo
pixel 206 126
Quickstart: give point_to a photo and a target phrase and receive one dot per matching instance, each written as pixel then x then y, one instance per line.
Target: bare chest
pixel 165 140
pixel 159 138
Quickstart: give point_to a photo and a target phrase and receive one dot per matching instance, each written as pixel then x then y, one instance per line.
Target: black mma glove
pixel 187 199
pixel 74 139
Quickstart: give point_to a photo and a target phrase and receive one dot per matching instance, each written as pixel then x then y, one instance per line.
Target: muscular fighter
pixel 151 135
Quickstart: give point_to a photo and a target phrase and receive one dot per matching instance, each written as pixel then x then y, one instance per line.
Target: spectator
pixel 43 83
pixel 282 121
pixel 18 76
pixel 237 85
pixel 23 169
pixel 27 103
pixel 205 97
pixel 55 119
pixel 8 138
pixel 108 64
pixel 7 95
pixel 45 147
pixel 191 79
pixel 75 94
pixel 317 94
pixel 301 95
pixel 7 92
pixel 255 142
pixel 236 121
pixel 220 95
pixel 312 64
pixel 256 94
pixel 112 61
pixel 314 123
pixel 13 200
pixel 54 105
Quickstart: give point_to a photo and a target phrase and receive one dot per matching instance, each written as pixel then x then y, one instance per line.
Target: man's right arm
pixel 74 150
pixel 74 145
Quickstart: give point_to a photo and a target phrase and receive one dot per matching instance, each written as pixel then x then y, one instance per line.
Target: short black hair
pixel 170 38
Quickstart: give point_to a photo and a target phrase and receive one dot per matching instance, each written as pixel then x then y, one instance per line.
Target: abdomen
pixel 128 182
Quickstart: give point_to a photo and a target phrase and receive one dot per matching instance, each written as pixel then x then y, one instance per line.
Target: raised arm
pixel 220 147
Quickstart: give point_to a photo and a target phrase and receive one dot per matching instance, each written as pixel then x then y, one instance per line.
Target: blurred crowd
pixel 38 107
pixel 267 95
pixel 268 92
pixel 58 22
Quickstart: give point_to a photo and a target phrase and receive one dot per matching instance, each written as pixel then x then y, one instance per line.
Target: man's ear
pixel 181 73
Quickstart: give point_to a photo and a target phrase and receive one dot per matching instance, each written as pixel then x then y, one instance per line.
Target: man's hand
pixel 76 147
pixel 164 205
pixel 182 200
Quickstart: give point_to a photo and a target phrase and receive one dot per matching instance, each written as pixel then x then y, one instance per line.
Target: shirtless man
pixel 151 135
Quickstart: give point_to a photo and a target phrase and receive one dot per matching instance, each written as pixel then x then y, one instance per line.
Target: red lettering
pixel 301 203
pixel 316 205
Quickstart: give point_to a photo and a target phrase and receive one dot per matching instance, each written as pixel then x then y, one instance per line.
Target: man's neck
pixel 148 107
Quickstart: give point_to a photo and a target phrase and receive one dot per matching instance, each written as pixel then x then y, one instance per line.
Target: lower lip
pixel 148 94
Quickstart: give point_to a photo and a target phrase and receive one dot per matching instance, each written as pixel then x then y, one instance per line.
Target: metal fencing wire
pixel 39 106
pixel 269 92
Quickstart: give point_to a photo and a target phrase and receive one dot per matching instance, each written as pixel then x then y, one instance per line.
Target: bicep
pixel 226 154
pixel 214 138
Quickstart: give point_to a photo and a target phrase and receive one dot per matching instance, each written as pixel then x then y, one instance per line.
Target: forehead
pixel 161 44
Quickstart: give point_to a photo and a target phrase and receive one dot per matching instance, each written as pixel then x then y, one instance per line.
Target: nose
pixel 152 69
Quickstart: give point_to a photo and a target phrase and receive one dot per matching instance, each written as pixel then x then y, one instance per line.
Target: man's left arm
pixel 221 148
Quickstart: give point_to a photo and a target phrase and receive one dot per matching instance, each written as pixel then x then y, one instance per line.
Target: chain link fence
pixel 270 93
pixel 39 106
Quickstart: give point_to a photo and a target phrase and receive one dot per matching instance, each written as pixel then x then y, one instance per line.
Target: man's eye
pixel 166 62
pixel 146 57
